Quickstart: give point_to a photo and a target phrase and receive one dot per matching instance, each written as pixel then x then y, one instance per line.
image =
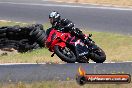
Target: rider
pixel 64 25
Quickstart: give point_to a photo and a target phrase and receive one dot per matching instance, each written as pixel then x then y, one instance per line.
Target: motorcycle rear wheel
pixel 65 54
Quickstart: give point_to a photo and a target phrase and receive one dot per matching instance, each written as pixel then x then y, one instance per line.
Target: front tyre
pixel 65 54
pixel 98 55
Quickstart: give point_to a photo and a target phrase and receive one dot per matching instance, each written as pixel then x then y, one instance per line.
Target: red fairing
pixel 62 44
pixel 56 38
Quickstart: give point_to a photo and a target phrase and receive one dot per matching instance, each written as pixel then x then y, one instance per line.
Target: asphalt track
pixel 97 18
pixel 93 17
pixel 58 72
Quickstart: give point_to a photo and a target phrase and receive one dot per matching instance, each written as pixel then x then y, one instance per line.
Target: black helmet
pixel 54 17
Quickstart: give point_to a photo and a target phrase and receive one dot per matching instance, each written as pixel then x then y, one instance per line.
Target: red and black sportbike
pixel 71 49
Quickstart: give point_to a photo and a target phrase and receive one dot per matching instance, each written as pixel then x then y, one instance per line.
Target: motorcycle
pixel 71 49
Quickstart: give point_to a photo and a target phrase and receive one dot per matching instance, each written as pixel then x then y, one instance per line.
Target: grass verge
pixel 117 47
pixel 62 84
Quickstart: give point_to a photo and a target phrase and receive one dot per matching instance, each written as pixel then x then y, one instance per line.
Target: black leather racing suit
pixel 65 25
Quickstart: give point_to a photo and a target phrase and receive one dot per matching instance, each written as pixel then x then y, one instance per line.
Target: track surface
pixel 41 72
pixel 97 18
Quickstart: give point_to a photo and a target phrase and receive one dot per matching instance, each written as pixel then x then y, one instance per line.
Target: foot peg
pixel 52 55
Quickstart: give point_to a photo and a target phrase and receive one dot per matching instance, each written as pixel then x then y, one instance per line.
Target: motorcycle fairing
pixel 55 39
pixel 80 48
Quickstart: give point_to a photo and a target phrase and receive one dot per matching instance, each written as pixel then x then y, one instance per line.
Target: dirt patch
pixel 122 3
pixel 7 51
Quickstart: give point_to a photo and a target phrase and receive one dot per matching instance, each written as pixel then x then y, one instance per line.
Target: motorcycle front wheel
pixel 65 54
pixel 98 55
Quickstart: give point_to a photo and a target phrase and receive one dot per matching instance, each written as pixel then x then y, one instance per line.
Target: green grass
pixel 11 23
pixel 62 84
pixel 117 47
pixel 36 56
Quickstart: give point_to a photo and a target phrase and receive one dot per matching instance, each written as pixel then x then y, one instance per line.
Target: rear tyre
pixel 34 32
pixel 39 34
pixel 3 30
pixel 2 35
pixel 65 54
pixel 40 38
pixel 35 46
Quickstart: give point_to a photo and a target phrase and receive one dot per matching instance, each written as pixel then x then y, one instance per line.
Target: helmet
pixel 54 17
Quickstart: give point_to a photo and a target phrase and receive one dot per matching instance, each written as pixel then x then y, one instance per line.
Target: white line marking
pixel 55 63
pixel 73 6
pixel 4 21
pixel 21 63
